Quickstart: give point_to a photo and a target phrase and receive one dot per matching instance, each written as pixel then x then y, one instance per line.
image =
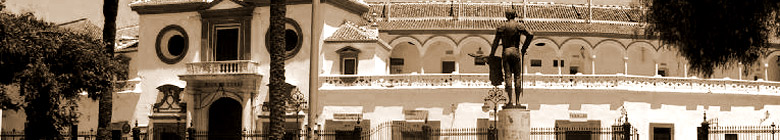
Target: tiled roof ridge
pixel 363 29
pixel 527 20
pixel 346 32
pixel 153 2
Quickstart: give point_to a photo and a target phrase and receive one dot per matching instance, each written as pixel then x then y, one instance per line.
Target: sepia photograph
pixel 389 69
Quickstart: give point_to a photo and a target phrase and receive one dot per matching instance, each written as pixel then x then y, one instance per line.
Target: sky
pixel 60 11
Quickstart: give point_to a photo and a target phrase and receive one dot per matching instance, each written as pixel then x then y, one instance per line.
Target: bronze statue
pixel 508 35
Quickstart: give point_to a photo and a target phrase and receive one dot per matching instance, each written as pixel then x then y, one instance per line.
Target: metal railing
pixel 625 82
pixel 589 133
pixel 401 131
pixel 222 67
pixel 743 133
pixel 19 135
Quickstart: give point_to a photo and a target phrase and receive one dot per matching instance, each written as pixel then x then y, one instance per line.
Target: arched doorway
pixel 225 120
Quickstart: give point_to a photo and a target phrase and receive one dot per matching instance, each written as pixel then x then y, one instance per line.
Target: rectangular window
pixel 447 66
pixel 574 70
pixel 561 63
pixel 396 65
pixel 555 63
pixel 350 66
pixel 731 136
pixel 662 72
pixel 660 133
pixel 536 63
pixel 226 44
pixel 396 61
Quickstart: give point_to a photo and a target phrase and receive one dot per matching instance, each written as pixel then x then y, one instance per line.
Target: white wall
pixel 461 107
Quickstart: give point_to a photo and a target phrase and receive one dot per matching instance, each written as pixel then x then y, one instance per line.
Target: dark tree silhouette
pixel 105 104
pixel 46 66
pixel 276 80
pixel 714 34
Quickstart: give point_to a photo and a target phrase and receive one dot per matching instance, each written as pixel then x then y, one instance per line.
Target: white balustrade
pixel 622 82
pixel 222 67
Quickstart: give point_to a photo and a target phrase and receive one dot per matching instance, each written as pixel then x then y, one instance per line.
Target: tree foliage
pixel 714 34
pixel 50 65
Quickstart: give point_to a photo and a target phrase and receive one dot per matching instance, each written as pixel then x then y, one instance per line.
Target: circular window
pixel 172 44
pixel 292 37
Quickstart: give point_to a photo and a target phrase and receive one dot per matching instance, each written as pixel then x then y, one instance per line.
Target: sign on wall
pixel 347 116
pixel 415 114
pixel 578 115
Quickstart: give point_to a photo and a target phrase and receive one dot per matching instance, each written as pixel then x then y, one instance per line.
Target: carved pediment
pixel 225 4
pixel 170 100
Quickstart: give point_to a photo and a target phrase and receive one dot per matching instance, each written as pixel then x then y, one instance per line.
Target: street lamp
pixel 297 102
pixel 495 96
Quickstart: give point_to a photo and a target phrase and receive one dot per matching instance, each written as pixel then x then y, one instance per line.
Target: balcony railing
pixel 625 82
pixel 222 67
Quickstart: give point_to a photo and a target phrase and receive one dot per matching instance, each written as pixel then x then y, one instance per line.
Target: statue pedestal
pixel 514 123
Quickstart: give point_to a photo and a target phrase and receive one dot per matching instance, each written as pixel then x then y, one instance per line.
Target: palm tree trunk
pixel 106 102
pixel 278 11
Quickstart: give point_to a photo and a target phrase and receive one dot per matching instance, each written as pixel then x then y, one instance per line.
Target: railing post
pixel 190 133
pixel 356 132
pixel 626 131
pixel 136 133
pixel 74 132
pixel 704 130
pixel 492 133
pixel 427 132
pixel 773 130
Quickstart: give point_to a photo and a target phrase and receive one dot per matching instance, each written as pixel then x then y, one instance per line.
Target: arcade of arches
pixel 560 55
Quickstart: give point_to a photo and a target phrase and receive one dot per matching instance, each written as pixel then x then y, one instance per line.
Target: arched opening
pixel 576 57
pixel 468 64
pixel 439 58
pixel 609 58
pixel 542 58
pixel 641 61
pixel 405 59
pixel 225 120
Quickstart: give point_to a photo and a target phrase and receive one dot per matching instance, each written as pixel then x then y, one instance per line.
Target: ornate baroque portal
pixel 168 119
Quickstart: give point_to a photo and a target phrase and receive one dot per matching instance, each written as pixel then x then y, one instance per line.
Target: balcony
pixel 617 82
pixel 221 71
pixel 222 67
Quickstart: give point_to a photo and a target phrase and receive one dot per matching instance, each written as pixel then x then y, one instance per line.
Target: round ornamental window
pixel 292 37
pixel 172 44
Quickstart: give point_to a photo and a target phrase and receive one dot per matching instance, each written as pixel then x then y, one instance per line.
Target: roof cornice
pixel 354 7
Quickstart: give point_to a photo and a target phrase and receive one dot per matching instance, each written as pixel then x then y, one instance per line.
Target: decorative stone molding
pixel 616 82
pixel 170 101
pixel 163 44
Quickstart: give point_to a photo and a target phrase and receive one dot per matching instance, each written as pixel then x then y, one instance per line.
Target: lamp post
pixel 298 103
pixel 495 96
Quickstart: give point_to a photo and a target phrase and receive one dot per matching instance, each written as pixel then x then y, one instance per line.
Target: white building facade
pixel 204 65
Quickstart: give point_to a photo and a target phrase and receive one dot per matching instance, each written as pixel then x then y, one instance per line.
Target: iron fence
pixel 427 133
pixel 585 133
pixel 19 135
pixel 742 133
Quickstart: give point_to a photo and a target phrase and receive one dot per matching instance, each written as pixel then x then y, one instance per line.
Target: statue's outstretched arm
pixel 496 40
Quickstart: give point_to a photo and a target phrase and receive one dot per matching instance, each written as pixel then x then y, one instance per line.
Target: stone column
pixel 625 65
pixel 739 72
pixel 593 64
pixel 514 123
pixel 766 71
pixel 656 69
